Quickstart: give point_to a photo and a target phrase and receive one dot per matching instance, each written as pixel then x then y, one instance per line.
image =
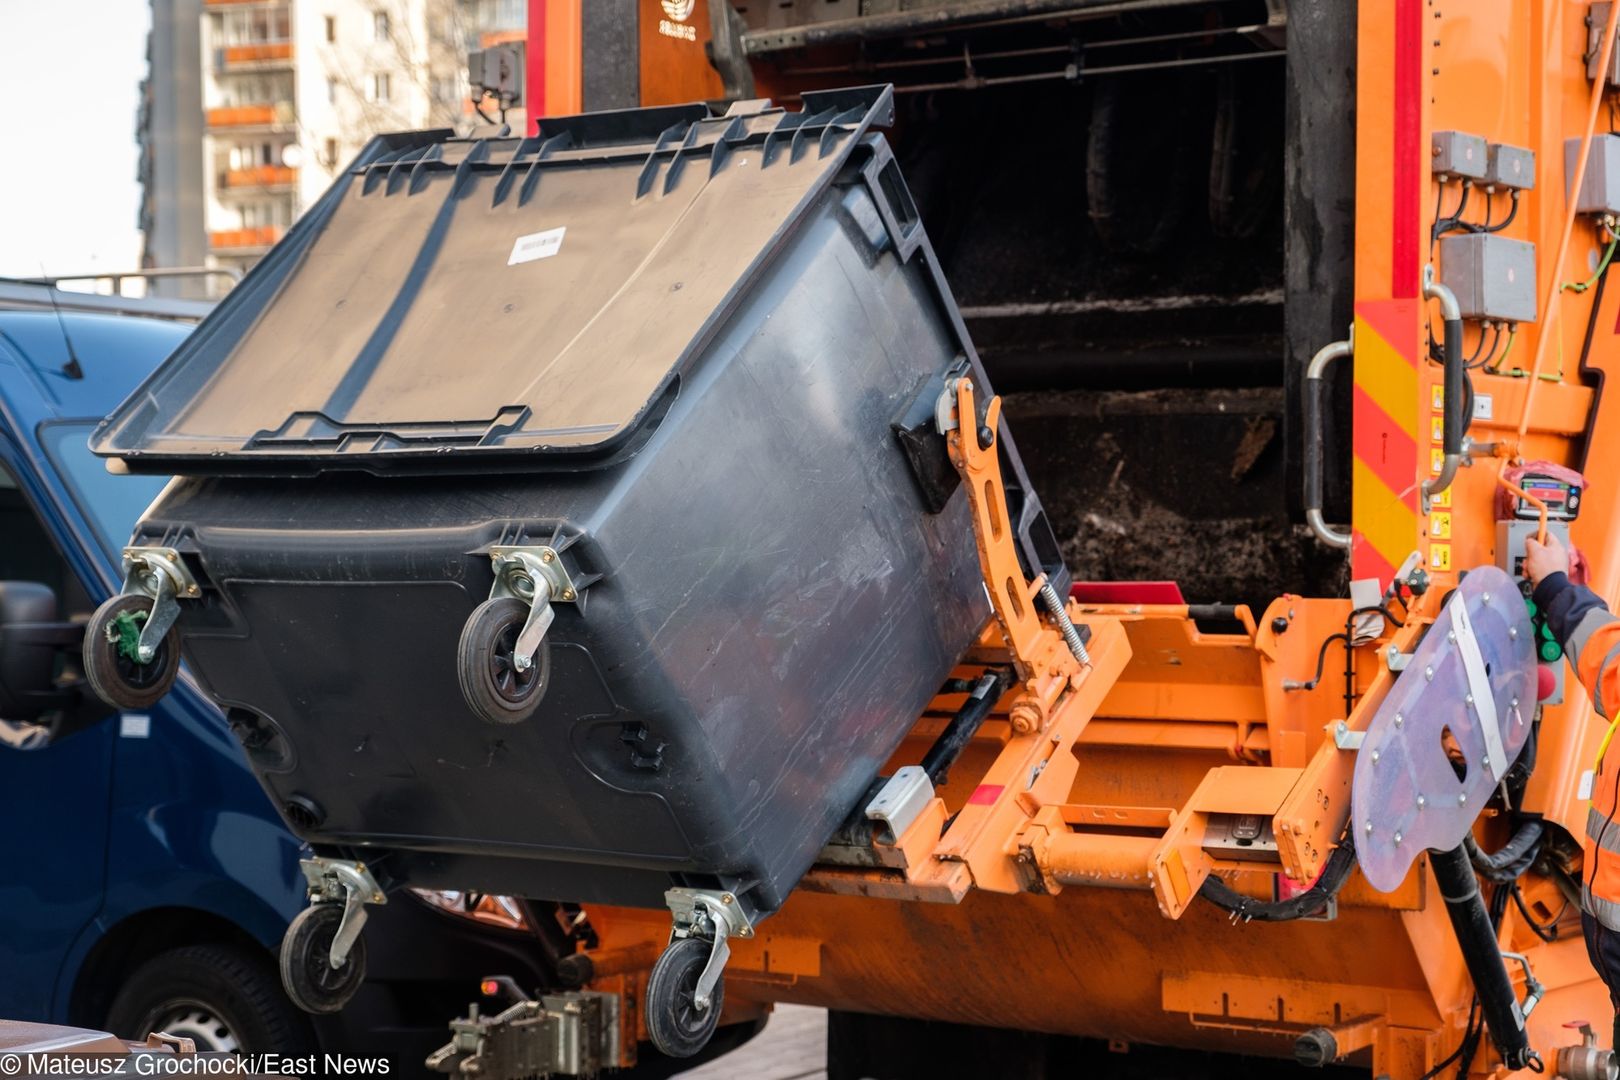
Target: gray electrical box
pixel 1600 188
pixel 1493 277
pixel 1456 153
pixel 1510 168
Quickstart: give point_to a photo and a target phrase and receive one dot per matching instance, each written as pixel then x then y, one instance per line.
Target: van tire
pixel 241 988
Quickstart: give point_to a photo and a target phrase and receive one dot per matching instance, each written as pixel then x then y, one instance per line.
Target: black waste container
pixel 675 361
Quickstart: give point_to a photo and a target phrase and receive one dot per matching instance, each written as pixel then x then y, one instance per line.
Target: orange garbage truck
pixel 1256 754
pixel 1272 828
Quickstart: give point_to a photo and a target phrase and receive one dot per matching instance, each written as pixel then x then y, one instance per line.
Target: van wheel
pixel 115 675
pixel 224 997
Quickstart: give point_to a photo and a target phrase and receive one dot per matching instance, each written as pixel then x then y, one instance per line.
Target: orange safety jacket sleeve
pixel 1590 635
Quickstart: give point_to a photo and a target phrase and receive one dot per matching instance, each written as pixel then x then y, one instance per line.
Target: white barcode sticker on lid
pixel 540 245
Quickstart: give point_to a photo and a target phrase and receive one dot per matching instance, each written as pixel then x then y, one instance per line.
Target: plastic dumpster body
pixel 686 359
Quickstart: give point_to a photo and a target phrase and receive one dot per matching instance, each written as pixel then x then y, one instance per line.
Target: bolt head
pixel 1486 597
pixel 1462 799
pixel 568 594
pixel 1428 673
pixel 1369 828
pixel 1451 635
pixel 1375 757
pixel 1398 838
pixel 1513 631
pixel 1399 720
pixel 1514 703
pixel 546 556
pixel 1468 699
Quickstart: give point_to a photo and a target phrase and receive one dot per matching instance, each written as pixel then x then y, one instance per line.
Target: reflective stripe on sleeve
pixel 1604 911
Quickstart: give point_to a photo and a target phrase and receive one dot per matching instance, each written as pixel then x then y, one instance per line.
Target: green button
pixel 1550 651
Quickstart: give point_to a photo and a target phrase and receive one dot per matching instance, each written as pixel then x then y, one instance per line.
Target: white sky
pixel 69 77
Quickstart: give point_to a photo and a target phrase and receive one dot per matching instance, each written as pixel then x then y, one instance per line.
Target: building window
pixel 331 28
pixel 381 86
pixel 379 25
pixel 331 153
pixel 331 91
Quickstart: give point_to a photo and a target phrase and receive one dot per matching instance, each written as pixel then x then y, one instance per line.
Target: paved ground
pixel 793 1046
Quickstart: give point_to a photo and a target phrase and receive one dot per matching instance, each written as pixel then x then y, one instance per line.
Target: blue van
pixel 145 878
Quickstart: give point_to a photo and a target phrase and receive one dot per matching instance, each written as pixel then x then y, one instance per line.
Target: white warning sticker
pixel 540 245
pixel 1584 790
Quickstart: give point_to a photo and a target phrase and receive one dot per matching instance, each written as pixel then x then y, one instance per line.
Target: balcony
pixel 259 54
pixel 258 179
pixel 251 116
pixel 244 241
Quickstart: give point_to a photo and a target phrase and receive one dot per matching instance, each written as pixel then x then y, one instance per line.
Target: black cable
pixel 1321 658
pixel 1547 931
pixel 1340 861
pixel 1445 225
pixel 1513 212
pixel 1445 1062
pixel 1474 362
pixel 1512 859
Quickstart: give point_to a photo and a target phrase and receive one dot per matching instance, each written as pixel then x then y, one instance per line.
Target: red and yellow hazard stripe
pixel 1386 473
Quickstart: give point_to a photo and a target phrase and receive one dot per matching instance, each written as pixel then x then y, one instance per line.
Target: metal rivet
pixel 1513 704
pixel 1451 635
pixel 1513 631
pixel 1468 699
pixel 1399 719
pixel 1428 673
pixel 1486 761
pixel 1462 800
pixel 1487 598
pixel 1422 802
pixel 1375 757
pixel 1369 828
pixel 1397 838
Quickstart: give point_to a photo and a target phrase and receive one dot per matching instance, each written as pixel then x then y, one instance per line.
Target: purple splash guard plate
pixel 1474 675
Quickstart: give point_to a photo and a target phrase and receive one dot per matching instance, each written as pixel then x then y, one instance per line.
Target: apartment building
pixel 292 89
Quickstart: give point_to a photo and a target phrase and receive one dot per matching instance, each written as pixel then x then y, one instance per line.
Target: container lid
pixel 493 300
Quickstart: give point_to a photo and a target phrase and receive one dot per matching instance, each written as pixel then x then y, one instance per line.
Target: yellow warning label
pixel 1442 500
pixel 1439 397
pixel 1437 429
pixel 1440 526
pixel 1437 461
pixel 1440 557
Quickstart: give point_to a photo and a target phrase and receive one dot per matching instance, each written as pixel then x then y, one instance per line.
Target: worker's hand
pixel 1541 560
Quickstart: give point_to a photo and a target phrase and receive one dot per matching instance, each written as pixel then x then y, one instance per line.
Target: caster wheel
pixel 307 975
pixel 114 673
pixel 490 681
pixel 674 1022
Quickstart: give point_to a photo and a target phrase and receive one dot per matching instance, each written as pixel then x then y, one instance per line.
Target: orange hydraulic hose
pixel 1605 52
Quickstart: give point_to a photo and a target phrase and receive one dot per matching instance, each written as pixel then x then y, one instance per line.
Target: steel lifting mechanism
pixel 131 656
pixel 323 956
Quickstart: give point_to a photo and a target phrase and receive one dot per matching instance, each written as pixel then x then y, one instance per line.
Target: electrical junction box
pixel 1510 168
pixel 1457 153
pixel 1510 537
pixel 1600 188
pixel 1493 277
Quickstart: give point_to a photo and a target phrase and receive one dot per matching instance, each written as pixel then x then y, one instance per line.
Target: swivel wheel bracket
pixel 160 573
pixel 537 577
pixel 710 915
pixel 352 885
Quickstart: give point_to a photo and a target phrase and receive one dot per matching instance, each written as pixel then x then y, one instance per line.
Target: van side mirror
pixel 38 659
